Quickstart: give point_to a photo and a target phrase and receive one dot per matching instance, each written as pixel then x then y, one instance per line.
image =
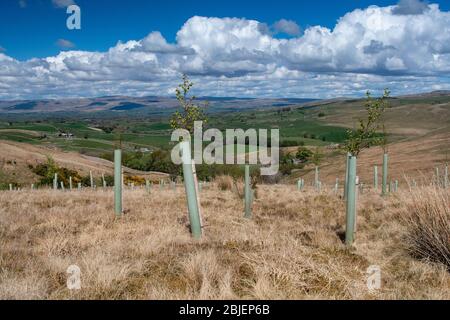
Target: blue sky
pixel 32 31
pixel 318 48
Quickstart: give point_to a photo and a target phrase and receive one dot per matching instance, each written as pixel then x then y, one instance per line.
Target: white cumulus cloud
pixel 62 3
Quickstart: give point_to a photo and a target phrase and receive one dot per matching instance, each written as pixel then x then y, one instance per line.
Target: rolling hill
pixel 16 158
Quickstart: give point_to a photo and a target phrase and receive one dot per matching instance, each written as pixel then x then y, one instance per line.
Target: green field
pixel 296 126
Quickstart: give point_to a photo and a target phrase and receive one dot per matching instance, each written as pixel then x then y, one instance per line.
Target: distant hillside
pixel 145 105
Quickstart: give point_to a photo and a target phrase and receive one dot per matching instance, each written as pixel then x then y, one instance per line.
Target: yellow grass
pixel 291 249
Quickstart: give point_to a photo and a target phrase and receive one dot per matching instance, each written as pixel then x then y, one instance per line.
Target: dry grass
pixel 291 249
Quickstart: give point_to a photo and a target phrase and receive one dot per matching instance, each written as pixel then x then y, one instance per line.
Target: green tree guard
pixel 438 183
pixel 346 174
pixel 446 176
pixel 191 194
pixel 55 182
pixel 375 177
pixel 92 179
pixel 247 193
pixel 316 178
pixel 118 183
pixel 70 183
pixel 351 202
pixel 385 175
pixel 62 186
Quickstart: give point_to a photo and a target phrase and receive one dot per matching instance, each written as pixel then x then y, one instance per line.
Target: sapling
pixel 363 137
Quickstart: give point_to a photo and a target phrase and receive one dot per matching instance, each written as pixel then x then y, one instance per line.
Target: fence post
pixel 385 175
pixel 351 203
pixel 118 182
pixel 191 194
pixel 375 178
pixel 247 193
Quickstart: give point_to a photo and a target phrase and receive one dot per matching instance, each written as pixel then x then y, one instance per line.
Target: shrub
pixel 47 173
pixel 303 154
pixel 136 180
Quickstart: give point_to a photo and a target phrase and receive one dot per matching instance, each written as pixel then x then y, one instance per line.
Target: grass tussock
pixel 428 221
pixel 224 182
pixel 291 249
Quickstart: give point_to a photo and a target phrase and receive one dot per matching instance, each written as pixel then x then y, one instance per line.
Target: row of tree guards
pixel 192 188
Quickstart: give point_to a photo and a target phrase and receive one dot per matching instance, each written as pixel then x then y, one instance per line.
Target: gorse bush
pixel 47 173
pixel 159 161
pixel 428 223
